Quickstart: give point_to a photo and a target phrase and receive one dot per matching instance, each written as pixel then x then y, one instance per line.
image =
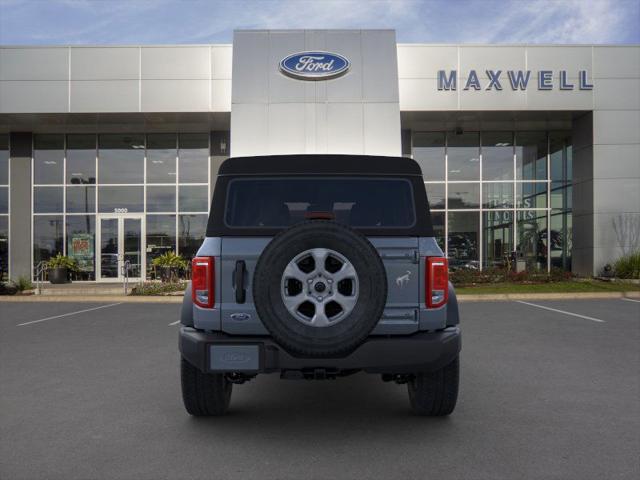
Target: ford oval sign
pixel 314 65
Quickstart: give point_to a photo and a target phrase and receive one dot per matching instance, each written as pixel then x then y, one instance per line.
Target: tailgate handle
pixel 238 281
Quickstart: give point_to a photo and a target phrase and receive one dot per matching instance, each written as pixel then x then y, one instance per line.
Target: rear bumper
pixel 219 352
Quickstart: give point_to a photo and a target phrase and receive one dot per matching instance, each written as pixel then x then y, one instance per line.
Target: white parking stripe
pixel 562 311
pixel 174 323
pixel 68 314
pixel 630 300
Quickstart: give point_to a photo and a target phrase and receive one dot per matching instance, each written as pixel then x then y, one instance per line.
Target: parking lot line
pixel 68 314
pixel 562 311
pixel 630 300
pixel 174 323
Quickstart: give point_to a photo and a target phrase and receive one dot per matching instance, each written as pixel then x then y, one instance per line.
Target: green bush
pixel 170 259
pixel 466 277
pixel 8 288
pixel 170 266
pixel 628 266
pixel 23 283
pixel 154 288
pixel 12 287
pixel 62 261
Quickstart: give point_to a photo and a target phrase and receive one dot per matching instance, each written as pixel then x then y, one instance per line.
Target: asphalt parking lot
pixel 545 393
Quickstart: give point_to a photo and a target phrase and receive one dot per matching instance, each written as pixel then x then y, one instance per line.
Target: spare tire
pixel 319 288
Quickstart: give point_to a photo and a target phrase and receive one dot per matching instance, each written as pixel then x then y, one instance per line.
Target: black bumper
pixel 420 352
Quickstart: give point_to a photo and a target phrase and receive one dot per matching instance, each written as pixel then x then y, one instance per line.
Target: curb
pixel 503 297
pixel 488 297
pixel 90 298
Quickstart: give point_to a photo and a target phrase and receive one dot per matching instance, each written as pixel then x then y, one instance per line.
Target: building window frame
pixel 96 212
pixel 7 215
pixel 514 181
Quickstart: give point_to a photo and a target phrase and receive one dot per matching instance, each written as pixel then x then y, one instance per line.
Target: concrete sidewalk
pixel 462 298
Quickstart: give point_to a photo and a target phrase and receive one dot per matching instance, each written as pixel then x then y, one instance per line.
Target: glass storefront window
pixel 428 151
pixel 4 159
pixel 161 158
pixel 464 195
pixel 561 239
pixel 120 159
pixel 463 156
pixel 192 230
pixel 531 195
pixel 193 198
pixel 4 247
pixel 81 199
pixel 436 195
pixel 497 156
pixel 120 199
pixel 498 238
pixel 497 195
pixel 48 159
pixel 531 249
pixel 81 242
pixel 4 200
pixel 463 239
pixel 161 199
pixel 193 158
pixel 509 197
pixel 560 157
pixel 47 199
pixel 161 238
pixel 47 237
pixel 78 176
pixel 531 155
pixel 437 221
pixel 81 159
pixel 561 195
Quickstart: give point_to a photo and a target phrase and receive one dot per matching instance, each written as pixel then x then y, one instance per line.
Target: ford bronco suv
pixel 316 267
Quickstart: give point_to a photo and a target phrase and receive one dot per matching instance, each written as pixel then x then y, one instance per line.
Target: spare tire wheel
pixel 320 288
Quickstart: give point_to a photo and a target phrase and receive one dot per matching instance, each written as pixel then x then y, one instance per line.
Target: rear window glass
pixel 359 202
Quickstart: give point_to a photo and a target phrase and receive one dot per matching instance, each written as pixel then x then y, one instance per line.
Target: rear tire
pixel 204 394
pixel 435 394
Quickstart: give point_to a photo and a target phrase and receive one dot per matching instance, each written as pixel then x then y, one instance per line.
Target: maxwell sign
pixel 516 79
pixel 314 65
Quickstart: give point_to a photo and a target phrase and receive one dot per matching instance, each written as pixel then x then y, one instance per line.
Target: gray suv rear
pixel 315 267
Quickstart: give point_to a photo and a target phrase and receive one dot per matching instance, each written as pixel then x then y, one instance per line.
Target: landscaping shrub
pixel 62 261
pixel 170 267
pixel 628 266
pixel 12 287
pixel 23 283
pixel 465 277
pixel 155 288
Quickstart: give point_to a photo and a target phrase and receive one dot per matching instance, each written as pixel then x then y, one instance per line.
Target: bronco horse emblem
pixel 402 280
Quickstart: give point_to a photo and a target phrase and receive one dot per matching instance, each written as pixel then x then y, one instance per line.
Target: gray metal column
pixel 582 193
pixel 20 144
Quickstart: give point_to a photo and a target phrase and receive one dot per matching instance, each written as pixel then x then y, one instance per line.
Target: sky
pixel 121 22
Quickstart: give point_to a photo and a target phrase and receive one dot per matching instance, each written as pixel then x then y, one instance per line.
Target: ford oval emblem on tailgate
pixel 240 316
pixel 314 65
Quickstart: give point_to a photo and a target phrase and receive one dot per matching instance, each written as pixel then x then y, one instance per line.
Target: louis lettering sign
pixel 314 65
pixel 514 79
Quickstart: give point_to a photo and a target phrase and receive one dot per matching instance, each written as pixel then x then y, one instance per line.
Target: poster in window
pixel 81 249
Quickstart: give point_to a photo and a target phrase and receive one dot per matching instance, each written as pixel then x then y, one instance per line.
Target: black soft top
pixel 309 165
pixel 320 165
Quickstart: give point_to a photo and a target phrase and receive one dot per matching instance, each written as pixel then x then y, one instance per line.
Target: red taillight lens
pixel 202 281
pixel 437 281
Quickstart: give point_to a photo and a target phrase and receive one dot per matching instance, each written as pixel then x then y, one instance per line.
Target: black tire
pixel 435 394
pixel 333 340
pixel 204 394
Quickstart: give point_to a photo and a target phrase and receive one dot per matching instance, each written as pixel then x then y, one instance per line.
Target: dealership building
pixel 108 154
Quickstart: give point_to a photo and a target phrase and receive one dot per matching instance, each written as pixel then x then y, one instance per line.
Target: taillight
pixel 202 281
pixel 437 281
